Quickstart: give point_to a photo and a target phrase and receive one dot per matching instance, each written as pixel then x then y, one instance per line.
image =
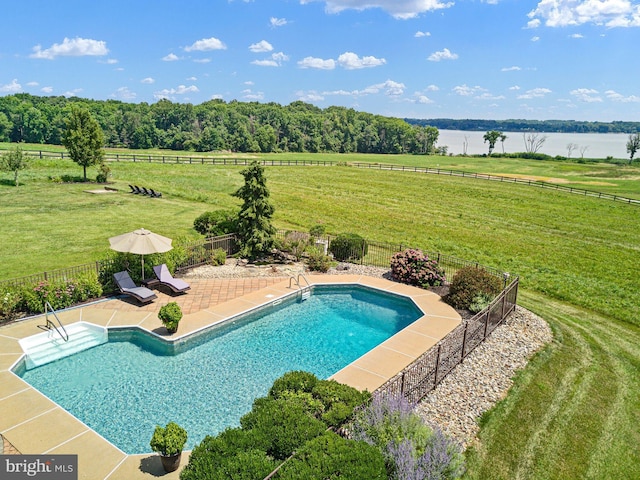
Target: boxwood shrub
pixel 348 247
pixel 331 456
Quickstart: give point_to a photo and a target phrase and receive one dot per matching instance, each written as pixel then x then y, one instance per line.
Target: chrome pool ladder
pixel 305 290
pixel 49 326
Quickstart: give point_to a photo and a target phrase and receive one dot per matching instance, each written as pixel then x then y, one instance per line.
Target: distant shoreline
pixel 523 126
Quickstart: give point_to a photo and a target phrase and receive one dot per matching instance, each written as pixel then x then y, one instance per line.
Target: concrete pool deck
pixel 33 424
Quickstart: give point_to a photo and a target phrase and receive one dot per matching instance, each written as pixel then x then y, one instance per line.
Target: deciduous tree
pixel 633 145
pixel 83 138
pixel 533 141
pixel 492 137
pixel 14 161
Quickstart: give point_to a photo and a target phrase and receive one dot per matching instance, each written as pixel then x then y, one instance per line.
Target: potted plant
pixel 170 315
pixel 169 442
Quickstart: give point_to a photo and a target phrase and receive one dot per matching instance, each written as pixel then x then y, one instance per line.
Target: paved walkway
pixel 31 423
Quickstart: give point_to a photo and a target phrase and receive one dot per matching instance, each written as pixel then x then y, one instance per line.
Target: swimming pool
pixel 122 389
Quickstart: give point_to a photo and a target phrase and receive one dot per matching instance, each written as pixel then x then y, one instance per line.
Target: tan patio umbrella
pixel 142 242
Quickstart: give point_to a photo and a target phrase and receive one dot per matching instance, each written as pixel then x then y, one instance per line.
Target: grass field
pixel 572 411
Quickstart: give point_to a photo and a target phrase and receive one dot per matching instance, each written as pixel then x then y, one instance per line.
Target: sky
pixel 484 59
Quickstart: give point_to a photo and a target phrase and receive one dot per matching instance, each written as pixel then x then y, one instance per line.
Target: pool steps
pixel 48 346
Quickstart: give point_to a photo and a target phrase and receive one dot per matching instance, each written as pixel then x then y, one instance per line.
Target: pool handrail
pixel 50 326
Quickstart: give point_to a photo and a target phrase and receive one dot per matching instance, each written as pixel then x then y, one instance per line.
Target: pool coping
pixel 35 424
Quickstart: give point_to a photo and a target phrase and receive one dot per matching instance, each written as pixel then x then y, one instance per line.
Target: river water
pixel 595 145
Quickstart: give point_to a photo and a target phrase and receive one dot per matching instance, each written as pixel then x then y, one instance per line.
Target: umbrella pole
pixel 142 259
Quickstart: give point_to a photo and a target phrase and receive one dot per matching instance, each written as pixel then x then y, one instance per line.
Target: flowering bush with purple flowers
pixel 416 268
pixel 412 449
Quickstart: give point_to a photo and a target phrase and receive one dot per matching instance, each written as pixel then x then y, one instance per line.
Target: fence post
pixel 464 341
pixel 45 276
pixel 486 324
pixel 435 378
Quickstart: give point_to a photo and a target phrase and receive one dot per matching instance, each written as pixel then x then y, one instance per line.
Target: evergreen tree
pixel 254 220
pixel 83 138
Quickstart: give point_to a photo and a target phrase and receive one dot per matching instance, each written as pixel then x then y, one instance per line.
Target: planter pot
pixel 171 463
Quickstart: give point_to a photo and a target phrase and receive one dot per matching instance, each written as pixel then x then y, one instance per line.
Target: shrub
pixel 103 173
pixel 218 222
pixel 416 268
pixel 480 302
pixel 10 300
pixel 169 440
pixel 470 282
pixel 170 315
pixel 410 447
pixel 331 456
pixel 317 261
pixel 218 256
pixel 296 381
pixel 317 230
pixel 348 246
pixel 295 243
pixel 339 400
pixel 234 453
pixel 86 288
pixel 284 422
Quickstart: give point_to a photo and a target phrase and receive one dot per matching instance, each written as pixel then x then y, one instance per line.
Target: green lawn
pixel 572 410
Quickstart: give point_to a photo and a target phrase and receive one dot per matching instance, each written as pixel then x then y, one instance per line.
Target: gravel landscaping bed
pixel 471 388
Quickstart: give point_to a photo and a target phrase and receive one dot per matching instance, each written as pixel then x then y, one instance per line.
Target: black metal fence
pixel 199 253
pixel 428 370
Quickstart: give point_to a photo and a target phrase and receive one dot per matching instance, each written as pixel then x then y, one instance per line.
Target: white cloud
pixel 172 57
pixel 261 46
pixel 32 84
pixel 318 63
pixel 389 87
pixel 466 91
pixel 277 22
pixel 148 81
pixel 202 60
pixel 576 35
pixel 191 79
pixel 46 89
pixel 587 95
pixel 432 88
pixel 74 47
pixel 180 90
pixel 535 93
pixel 13 87
pixel 535 38
pixel 562 13
pixel 515 87
pixel 401 9
pixel 422 34
pixel 276 60
pixel 206 45
pixel 351 61
pixel 444 54
pixel 618 97
pixel 423 99
pixel 311 96
pixel 510 69
pixel 488 96
pixel 252 96
pixel 123 93
pixel 72 93
pixel 111 61
pixel 216 96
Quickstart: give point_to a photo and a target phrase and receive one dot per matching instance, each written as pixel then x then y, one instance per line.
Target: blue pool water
pixel 124 388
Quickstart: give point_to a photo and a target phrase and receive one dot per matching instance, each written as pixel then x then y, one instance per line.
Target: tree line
pixel 216 125
pixel 548 126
